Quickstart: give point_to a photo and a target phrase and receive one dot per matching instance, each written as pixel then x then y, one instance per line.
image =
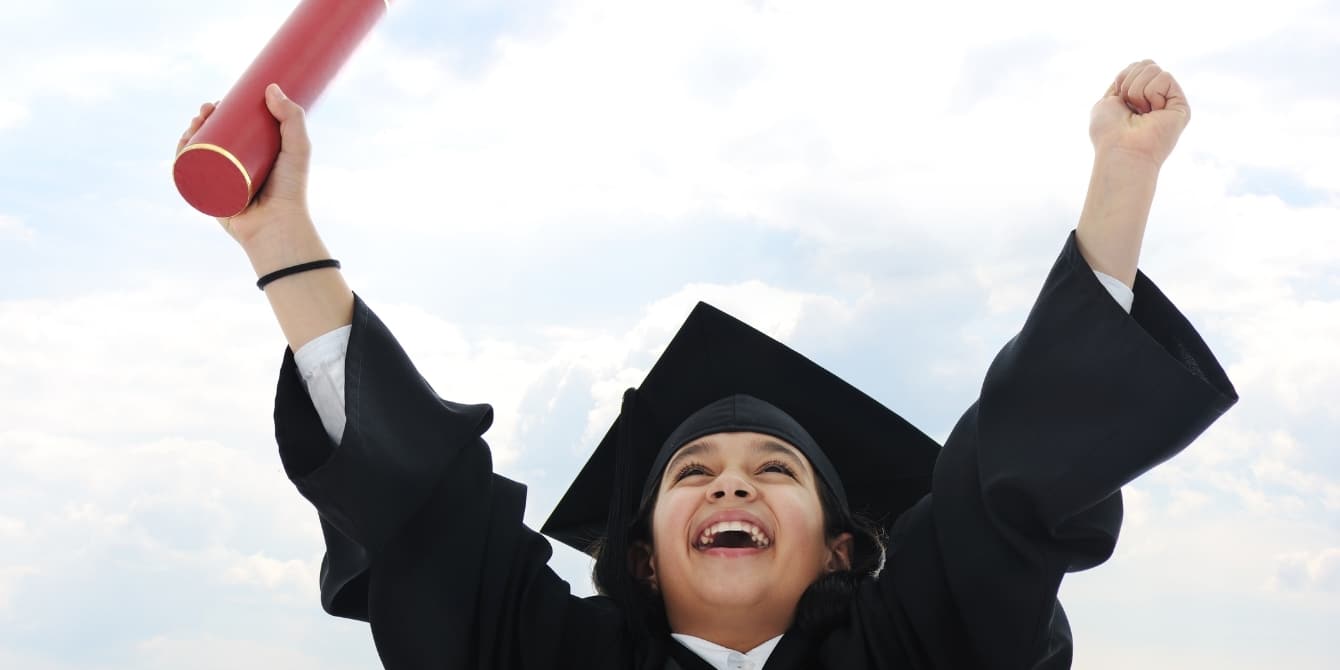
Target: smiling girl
pixel 747 509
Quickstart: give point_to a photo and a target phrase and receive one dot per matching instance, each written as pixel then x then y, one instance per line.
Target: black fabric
pixel 744 413
pixel 426 543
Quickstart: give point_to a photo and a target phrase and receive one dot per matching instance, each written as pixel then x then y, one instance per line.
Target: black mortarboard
pixel 883 462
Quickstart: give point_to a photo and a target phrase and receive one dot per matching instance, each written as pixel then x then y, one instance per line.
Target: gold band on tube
pixel 222 152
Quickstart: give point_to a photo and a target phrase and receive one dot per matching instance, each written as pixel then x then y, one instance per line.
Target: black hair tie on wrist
pixel 295 269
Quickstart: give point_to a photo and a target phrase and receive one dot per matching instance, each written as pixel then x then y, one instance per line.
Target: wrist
pixel 1116 210
pixel 281 244
pixel 1126 161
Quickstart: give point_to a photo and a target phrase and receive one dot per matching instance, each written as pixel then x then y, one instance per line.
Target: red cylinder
pixel 229 158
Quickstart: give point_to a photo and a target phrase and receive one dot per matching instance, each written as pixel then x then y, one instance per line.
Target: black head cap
pixel 883 463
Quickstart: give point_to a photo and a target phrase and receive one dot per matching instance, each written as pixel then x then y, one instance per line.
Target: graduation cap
pixel 881 461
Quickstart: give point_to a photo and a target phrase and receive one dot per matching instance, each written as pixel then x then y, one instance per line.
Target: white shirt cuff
pixel 1120 292
pixel 321 364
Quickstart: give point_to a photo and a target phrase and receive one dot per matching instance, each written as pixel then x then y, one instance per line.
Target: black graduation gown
pixel 427 544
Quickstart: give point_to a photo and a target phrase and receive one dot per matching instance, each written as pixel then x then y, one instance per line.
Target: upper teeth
pixel 760 540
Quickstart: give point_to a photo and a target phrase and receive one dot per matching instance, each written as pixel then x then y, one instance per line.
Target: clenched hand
pixel 1142 114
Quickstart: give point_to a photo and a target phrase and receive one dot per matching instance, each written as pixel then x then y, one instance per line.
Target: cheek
pixel 801 515
pixel 669 518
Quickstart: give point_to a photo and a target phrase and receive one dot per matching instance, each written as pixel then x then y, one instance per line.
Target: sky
pixel 532 195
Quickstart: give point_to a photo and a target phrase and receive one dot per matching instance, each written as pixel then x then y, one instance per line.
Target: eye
pixel 689 470
pixel 779 467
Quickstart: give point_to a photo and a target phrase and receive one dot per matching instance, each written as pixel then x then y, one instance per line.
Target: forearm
pixel 1112 225
pixel 306 304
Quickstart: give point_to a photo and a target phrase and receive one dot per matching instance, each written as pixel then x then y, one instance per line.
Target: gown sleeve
pixel 423 540
pixel 1083 400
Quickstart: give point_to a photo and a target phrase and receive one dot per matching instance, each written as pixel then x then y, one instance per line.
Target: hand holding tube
pixel 229 155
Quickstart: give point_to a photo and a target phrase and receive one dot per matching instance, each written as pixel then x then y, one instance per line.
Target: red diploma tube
pixel 227 160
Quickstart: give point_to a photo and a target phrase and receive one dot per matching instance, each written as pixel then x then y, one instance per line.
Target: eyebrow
pixel 705 445
pixel 697 448
pixel 775 447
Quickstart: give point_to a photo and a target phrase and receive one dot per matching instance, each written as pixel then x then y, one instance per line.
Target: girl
pixel 747 509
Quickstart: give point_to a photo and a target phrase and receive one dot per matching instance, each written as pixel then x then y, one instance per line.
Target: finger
pixel 1122 77
pixel 194 126
pixel 1174 98
pixel 1158 89
pixel 292 122
pixel 1137 84
pixel 1127 76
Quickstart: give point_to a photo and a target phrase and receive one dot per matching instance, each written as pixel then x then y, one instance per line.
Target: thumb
pixel 292 122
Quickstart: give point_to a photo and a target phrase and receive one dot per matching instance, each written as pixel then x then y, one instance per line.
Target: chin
pixel 732 591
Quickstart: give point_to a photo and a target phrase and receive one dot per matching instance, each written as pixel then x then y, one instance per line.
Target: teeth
pixel 760 540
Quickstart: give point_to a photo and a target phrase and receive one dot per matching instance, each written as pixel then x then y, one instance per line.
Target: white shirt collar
pixel 722 658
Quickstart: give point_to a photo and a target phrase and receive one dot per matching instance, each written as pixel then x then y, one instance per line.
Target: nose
pixel 731 485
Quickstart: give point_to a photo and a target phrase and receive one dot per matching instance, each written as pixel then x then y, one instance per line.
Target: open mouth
pixel 732 535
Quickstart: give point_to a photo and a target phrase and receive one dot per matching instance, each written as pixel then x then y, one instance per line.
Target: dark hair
pixel 827 601
pixel 824 605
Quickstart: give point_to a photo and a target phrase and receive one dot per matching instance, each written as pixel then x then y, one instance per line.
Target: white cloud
pixel 170 496
pixel 618 363
pixel 1171 568
pixel 1268 473
pixel 12 529
pixel 1235 524
pixel 867 149
pixel 100 64
pixel 14 659
pixel 1288 349
pixel 492 371
pixel 503 373
pixel 12 114
pixel 658 135
pixel 261 570
pixel 11 227
pixel 93 519
pixel 1282 470
pixel 137 360
pixel 1317 571
pixel 1217 651
pixel 211 652
pixel 9 579
pixel 1186 504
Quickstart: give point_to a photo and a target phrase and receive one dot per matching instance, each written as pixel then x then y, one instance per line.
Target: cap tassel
pixel 622 586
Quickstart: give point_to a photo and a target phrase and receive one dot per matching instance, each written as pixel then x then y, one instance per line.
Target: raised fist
pixel 1142 114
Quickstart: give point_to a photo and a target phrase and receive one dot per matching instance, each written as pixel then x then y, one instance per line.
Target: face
pixel 738 528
